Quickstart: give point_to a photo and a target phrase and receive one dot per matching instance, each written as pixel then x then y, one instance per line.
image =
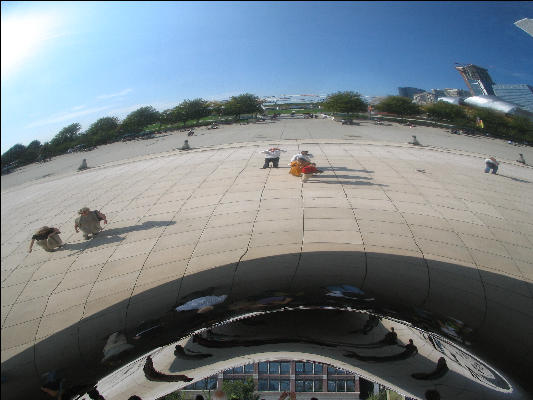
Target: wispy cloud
pixel 76 108
pixel 118 94
pixel 66 116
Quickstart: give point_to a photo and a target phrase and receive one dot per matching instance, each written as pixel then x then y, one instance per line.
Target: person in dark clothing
pixel 437 373
pixel 152 375
pixel 179 352
pixel 94 394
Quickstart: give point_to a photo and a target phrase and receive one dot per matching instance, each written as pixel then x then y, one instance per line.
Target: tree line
pixel 111 129
pixel 496 124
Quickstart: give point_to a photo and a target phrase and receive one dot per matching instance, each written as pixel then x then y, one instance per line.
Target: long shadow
pixel 366 178
pixel 112 235
pixel 336 182
pixel 514 179
pixel 349 169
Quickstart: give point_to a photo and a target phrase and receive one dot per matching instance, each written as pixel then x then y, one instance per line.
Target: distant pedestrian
pixel 491 164
pixel 83 165
pixel 89 222
pixel 272 156
pixel 415 141
pixel 308 170
pixel 185 145
pixel 47 238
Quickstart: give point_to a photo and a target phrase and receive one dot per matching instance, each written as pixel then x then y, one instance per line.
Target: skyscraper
pixel 409 91
pixel 519 94
pixel 477 79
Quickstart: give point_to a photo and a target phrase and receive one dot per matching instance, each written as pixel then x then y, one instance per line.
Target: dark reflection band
pixel 356 311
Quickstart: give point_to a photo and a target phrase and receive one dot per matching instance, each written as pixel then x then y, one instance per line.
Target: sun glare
pixel 22 37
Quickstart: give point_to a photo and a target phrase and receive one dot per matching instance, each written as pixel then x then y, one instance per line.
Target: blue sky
pixel 66 62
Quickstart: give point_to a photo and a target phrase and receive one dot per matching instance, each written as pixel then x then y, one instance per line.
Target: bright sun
pixel 22 36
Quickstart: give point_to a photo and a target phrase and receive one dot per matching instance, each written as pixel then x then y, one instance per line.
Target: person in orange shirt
pixel 296 166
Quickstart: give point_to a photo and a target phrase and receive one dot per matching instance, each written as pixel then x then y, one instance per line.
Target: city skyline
pixel 78 62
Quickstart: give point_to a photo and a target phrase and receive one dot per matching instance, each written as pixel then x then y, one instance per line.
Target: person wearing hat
pixel 491 163
pixel 272 156
pixel 89 222
pixel 47 238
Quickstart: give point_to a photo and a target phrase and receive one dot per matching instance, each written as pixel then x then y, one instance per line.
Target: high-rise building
pixel 520 94
pixel 424 98
pixel 526 24
pixel 477 79
pixel 409 91
pixel 455 93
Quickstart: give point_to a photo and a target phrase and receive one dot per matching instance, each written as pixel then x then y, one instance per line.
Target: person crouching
pixel 272 156
pixel 47 238
pixel 308 170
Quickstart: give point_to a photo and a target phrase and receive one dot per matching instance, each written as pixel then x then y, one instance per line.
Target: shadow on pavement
pixel 514 179
pixel 112 235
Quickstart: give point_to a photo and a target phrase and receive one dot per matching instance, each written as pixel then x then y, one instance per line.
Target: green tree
pixel 177 395
pixel 495 123
pixel 344 102
pixel 398 105
pixel 15 153
pixel 107 126
pixel 137 120
pixel 243 104
pixel 66 135
pixel 379 396
pixel 240 390
pixel 195 109
pixel 45 151
pixel 32 152
pixel 216 108
pixel 446 112
pixel 521 128
pixel 174 115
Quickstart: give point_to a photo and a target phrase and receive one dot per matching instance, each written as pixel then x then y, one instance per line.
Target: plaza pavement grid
pixel 176 213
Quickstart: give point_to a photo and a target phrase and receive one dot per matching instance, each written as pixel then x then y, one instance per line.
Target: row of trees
pixel 110 129
pixel 514 127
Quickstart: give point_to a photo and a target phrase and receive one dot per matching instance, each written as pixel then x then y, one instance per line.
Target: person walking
pixel 491 164
pixel 47 238
pixel 89 222
pixel 272 156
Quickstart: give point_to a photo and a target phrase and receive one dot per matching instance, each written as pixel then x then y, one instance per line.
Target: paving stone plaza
pixel 174 214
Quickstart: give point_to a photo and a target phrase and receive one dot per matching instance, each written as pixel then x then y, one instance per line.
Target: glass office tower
pixel 519 94
pixel 477 79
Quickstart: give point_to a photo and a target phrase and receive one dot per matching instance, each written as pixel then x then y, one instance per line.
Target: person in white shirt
pixel 272 156
pixel 303 154
pixel 491 163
